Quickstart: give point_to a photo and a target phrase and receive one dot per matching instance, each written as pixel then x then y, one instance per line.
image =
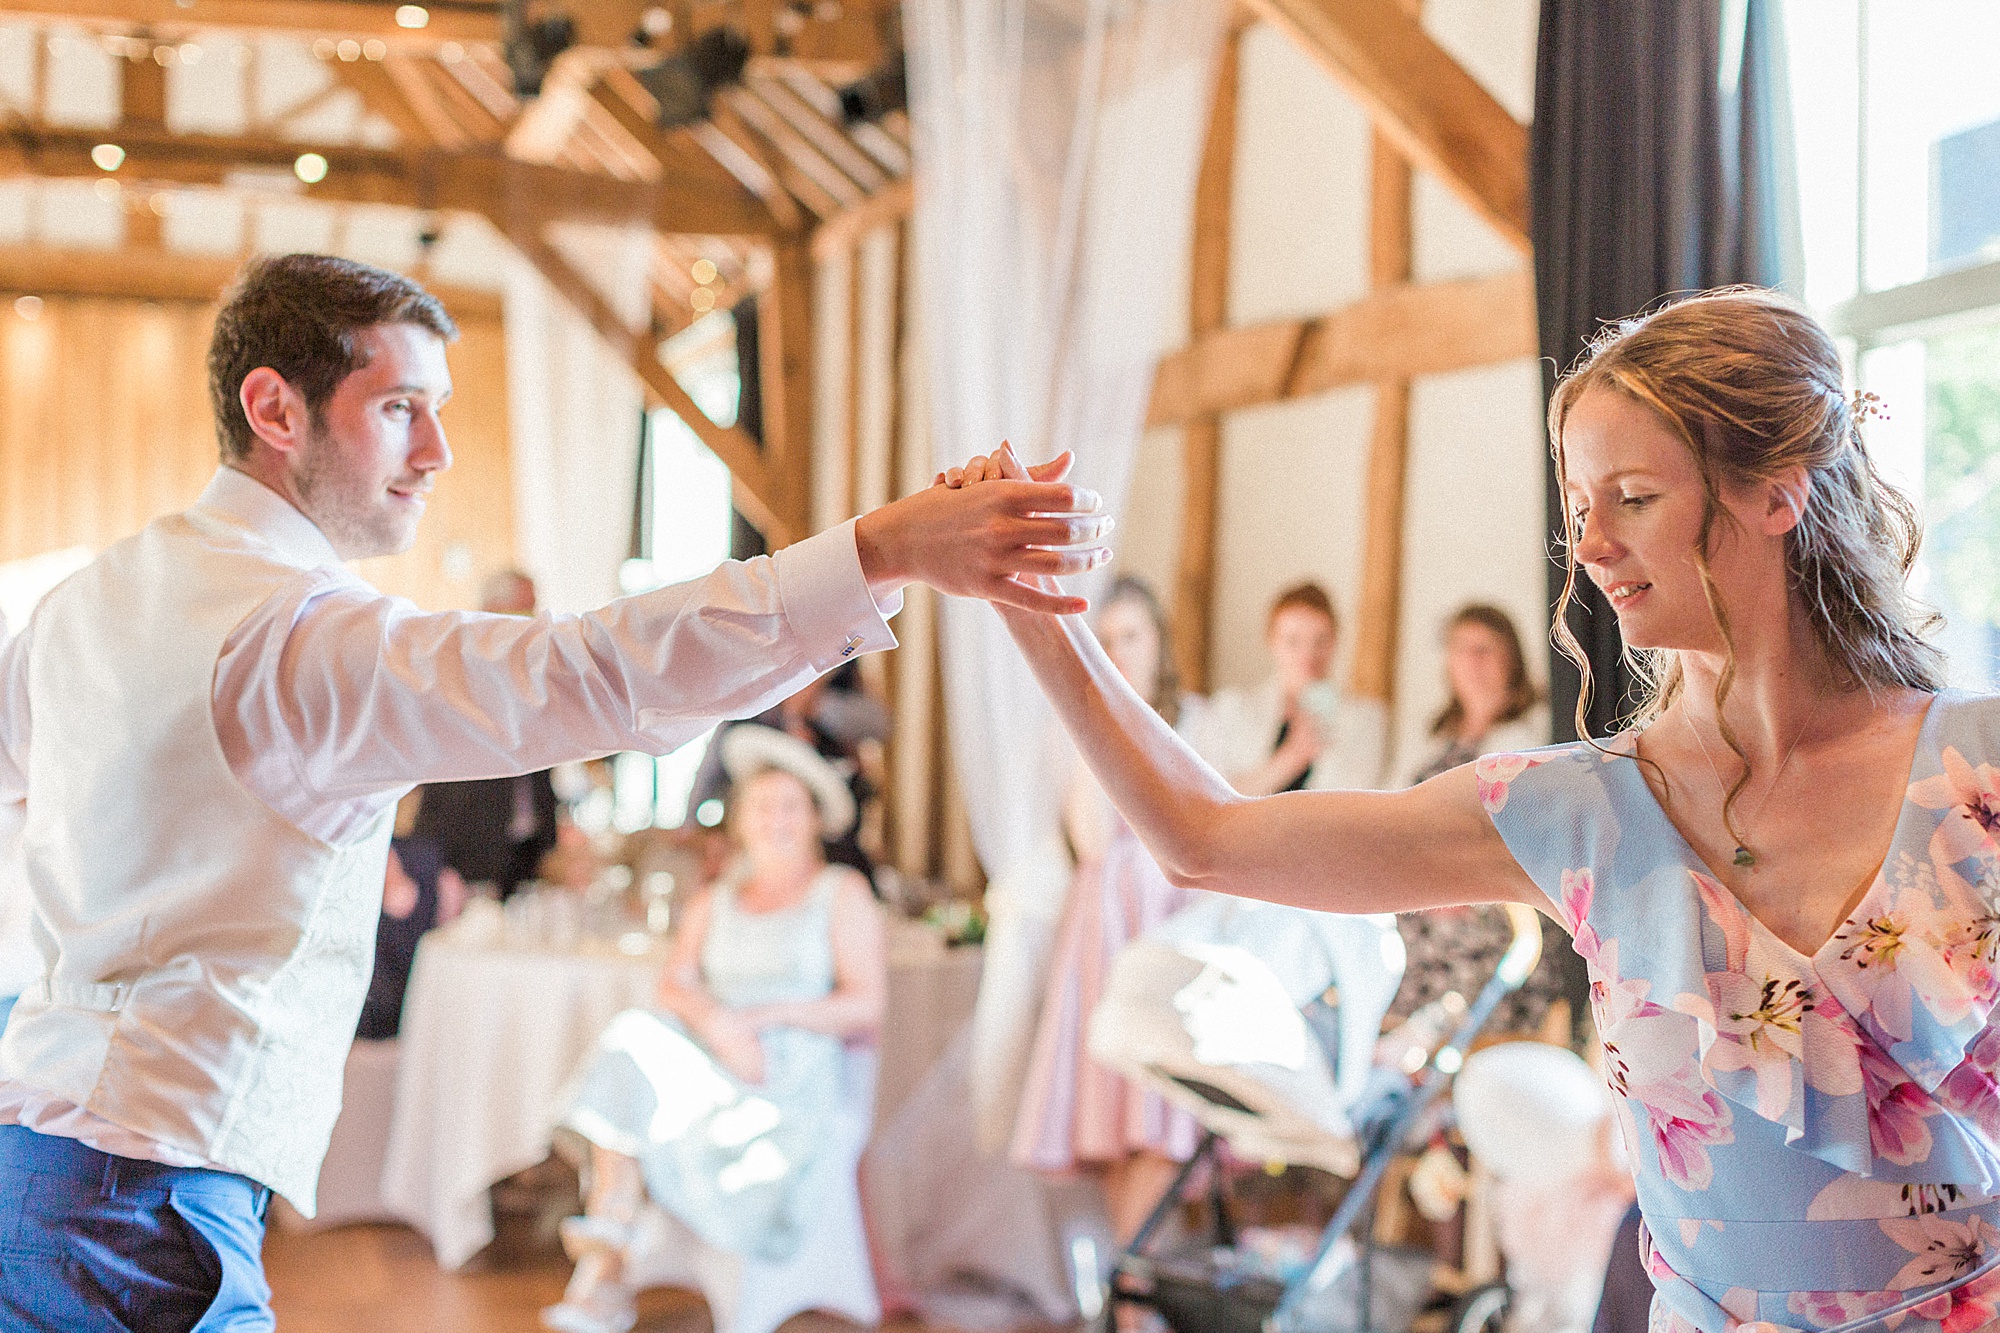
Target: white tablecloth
pixel 490 1035
pixel 492 1032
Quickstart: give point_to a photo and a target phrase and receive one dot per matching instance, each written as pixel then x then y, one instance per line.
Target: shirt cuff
pixel 827 602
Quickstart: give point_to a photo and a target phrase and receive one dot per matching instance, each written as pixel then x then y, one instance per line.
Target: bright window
pixel 1897 122
pixel 687 537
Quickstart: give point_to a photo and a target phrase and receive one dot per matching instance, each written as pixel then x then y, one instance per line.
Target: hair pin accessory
pixel 1867 406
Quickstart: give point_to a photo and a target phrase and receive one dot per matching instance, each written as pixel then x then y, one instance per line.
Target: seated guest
pixel 495 830
pixel 1296 731
pixel 1493 708
pixel 418 893
pixel 837 717
pixel 713 1104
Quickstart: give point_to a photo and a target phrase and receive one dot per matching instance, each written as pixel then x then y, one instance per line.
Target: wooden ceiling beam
pixel 830 190
pixel 608 23
pixel 621 97
pixel 138 273
pixel 824 135
pixel 1398 331
pixel 1440 117
pixel 483 181
pixel 737 152
pixel 331 18
pixel 732 444
pixel 842 230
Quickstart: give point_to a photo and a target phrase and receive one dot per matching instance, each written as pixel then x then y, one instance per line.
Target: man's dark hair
pixel 302 315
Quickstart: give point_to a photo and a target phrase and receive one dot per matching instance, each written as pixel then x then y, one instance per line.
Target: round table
pixel 492 1031
pixel 495 1026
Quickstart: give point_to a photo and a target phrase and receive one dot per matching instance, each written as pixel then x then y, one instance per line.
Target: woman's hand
pixel 991 467
pixel 732 1040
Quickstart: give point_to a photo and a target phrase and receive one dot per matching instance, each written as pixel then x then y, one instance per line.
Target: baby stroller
pixel 1262 1021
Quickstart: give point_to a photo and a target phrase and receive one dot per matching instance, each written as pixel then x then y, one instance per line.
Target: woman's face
pixel 1302 643
pixel 1125 628
pixel 775 818
pixel 1479 667
pixel 1637 495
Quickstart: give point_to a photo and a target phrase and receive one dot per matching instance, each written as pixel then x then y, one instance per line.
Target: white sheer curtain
pixel 1056 144
pixel 573 420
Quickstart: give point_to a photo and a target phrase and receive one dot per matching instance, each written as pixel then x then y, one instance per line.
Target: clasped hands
pixel 1004 541
pixel 1003 465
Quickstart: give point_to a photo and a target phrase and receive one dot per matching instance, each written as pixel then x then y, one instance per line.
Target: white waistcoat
pixel 207 959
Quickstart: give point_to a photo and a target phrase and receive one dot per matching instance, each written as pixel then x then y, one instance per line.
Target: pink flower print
pixel 1970 798
pixel 1758 1026
pixel 1945 1252
pixel 1896 965
pixel 1970 949
pixel 1646 1062
pixel 1832 1046
pixel 1973 1089
pixel 1578 889
pixel 1897 1109
pixel 1494 772
pixel 1730 917
pixel 1827 1308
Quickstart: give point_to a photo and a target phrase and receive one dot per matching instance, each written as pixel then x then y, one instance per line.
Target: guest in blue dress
pixel 712 1104
pixel 1783 874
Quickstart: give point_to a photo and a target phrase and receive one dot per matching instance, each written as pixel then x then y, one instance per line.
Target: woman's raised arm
pixel 1335 851
pixel 1339 851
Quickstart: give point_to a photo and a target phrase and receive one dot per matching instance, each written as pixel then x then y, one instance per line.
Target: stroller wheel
pixel 1481 1310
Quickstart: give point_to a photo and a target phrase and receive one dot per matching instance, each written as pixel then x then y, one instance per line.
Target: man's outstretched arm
pixel 332 699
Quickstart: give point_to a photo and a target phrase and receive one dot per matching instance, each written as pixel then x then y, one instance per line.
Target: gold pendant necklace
pixel 1744 857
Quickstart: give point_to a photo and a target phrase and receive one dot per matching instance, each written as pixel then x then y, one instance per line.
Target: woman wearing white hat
pixel 712 1104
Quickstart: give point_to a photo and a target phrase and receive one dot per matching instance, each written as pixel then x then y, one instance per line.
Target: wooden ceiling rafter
pixel 729 141
pixel 739 452
pixel 1437 115
pixel 151 273
pixel 793 150
pixel 480 181
pixel 827 139
pixel 1399 330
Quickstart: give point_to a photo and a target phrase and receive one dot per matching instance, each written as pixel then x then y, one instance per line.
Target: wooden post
pixel 1378 621
pixel 785 338
pixel 142 101
pixel 1201 438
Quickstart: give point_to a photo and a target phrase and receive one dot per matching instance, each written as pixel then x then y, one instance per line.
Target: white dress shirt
pixel 331 700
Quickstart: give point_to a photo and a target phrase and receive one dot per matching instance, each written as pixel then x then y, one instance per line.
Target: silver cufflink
pixel 853 643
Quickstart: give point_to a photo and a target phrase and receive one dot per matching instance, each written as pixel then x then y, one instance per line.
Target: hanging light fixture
pixel 532 45
pixel 685 82
pixel 873 96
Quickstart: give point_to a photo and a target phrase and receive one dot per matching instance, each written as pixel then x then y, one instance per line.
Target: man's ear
pixel 1785 498
pixel 276 411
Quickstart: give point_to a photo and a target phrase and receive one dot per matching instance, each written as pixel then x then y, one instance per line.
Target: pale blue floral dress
pixel 1816 1139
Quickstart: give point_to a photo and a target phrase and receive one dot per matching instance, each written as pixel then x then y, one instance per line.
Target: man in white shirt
pixel 207 731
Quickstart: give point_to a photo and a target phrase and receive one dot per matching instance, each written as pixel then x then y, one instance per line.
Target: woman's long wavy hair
pixel 1751 384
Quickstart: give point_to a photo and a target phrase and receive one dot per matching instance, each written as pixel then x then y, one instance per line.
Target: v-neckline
pixel 1695 862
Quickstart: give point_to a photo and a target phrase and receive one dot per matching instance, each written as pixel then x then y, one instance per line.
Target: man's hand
pixel 994 541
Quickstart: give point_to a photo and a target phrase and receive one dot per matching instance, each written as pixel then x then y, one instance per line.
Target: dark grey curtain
pixel 1661 164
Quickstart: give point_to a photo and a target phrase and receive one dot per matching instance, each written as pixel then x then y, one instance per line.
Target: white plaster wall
pixel 1292 476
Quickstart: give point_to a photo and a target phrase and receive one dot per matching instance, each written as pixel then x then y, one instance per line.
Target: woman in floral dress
pixel 1784 877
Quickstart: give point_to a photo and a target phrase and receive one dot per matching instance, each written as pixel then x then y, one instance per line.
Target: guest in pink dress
pixel 1075 1114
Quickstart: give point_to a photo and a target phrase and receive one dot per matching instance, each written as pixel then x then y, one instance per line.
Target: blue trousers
pixel 92 1243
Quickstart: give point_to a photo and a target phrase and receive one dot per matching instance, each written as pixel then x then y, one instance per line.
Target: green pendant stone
pixel 1744 858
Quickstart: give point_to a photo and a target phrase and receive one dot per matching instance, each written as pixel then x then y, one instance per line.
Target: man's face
pixel 377 444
